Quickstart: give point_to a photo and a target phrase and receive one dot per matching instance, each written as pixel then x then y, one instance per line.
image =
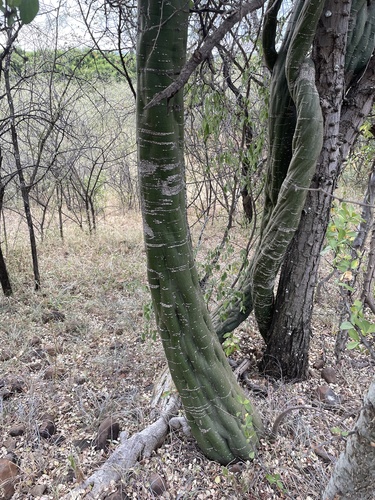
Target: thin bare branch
pixel 204 50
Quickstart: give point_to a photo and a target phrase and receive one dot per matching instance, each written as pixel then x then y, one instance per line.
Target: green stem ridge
pixel 295 141
pixel 209 392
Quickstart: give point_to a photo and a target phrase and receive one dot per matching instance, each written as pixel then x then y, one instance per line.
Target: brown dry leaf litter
pixel 75 353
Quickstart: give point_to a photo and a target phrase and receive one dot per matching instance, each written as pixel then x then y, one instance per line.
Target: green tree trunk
pixel 211 397
pixel 295 140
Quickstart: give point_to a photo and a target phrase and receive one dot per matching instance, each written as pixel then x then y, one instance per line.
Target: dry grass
pixel 104 366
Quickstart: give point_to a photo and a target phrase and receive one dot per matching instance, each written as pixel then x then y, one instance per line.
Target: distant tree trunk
pixel 353 477
pixel 59 197
pixel 4 276
pixel 21 177
pixel 212 399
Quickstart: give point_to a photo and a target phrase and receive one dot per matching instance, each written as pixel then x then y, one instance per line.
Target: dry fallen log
pixel 140 445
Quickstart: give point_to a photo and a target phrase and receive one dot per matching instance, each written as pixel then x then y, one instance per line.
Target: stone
pixel 52 316
pixel 80 379
pixel 52 372
pixel 73 326
pixel 53 350
pixel 329 375
pixel 47 428
pixel 17 430
pixel 39 353
pixel 38 490
pixel 109 430
pixel 9 473
pixel 10 386
pixel 10 444
pixel 326 395
pixel 157 484
pixel 16 384
pixel 5 393
pixel 319 364
pixel 35 341
pixel 235 468
pixel 116 346
pixel 326 457
pixel 5 355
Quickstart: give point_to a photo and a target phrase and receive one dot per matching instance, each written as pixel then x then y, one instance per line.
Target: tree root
pixel 140 445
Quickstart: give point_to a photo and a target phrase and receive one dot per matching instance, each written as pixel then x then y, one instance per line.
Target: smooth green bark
pixel 285 323
pixel 211 397
pixel 282 221
pixel 295 140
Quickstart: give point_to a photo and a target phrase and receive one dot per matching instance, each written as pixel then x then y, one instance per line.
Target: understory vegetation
pixel 212 235
pixel 98 359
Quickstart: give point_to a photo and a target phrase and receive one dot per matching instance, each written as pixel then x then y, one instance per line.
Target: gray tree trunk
pixel 353 477
pixel 346 100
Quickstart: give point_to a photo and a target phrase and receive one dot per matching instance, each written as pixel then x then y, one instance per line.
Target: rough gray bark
pixel 288 345
pixel 353 477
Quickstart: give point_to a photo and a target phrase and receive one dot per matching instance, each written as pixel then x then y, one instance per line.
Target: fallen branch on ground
pixel 140 445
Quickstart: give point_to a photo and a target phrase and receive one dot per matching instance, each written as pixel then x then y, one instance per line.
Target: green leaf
pixel 335 430
pixel 28 10
pixel 224 276
pixel 353 334
pixel 355 264
pixel 352 345
pixel 346 325
pixel 346 287
pixel 362 324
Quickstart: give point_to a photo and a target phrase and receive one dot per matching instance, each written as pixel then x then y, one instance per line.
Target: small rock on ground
pixel 8 478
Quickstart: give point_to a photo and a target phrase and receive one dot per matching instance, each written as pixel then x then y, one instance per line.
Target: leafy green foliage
pixel 248 422
pixel 357 326
pixel 149 328
pixel 337 431
pixel 83 64
pixel 275 479
pixel 340 235
pixel 231 343
pixel 24 10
